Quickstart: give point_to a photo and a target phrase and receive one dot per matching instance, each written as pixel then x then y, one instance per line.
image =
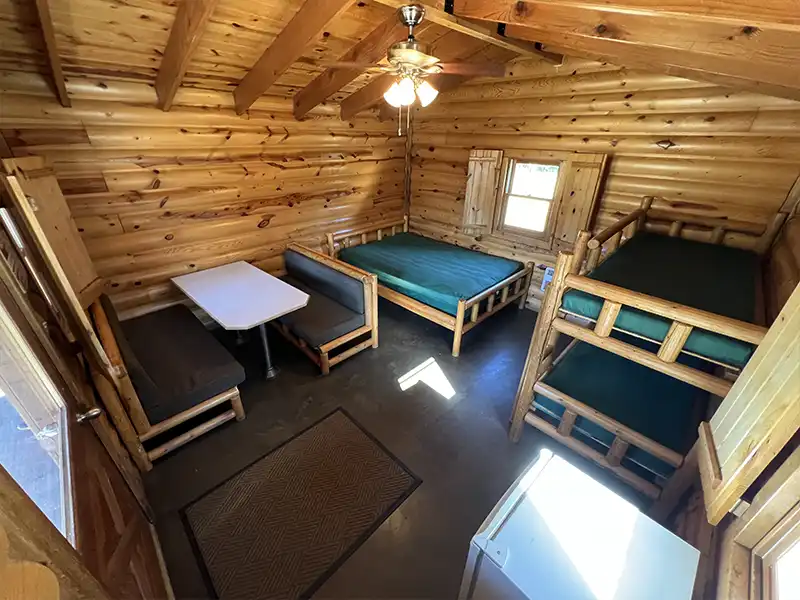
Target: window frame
pixel 504 191
pixel 780 539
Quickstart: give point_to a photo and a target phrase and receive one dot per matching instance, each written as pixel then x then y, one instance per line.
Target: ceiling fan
pixel 411 62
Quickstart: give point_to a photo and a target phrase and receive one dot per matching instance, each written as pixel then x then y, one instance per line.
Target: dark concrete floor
pixel 458 447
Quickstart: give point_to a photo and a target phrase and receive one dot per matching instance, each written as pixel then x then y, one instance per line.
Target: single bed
pixel 714 278
pixel 634 420
pixel 455 287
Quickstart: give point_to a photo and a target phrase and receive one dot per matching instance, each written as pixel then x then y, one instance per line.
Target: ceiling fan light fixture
pixel 393 95
pixel 426 93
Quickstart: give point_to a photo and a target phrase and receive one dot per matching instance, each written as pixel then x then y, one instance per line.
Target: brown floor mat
pixel 283 525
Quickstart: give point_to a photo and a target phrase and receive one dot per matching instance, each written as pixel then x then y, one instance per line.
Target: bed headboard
pixel 354 237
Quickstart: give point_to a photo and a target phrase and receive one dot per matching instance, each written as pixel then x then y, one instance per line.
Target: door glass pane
pixel 526 213
pixel 31 428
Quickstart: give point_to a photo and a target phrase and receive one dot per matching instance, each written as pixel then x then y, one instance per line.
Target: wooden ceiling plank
pixel 189 25
pixel 670 61
pixel 773 13
pixel 485 34
pixel 46 23
pixel 304 27
pixel 369 50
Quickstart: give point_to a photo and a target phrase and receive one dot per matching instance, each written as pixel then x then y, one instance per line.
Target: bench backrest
pixel 342 288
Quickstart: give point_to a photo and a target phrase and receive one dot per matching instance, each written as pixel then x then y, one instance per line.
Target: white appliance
pixel 557 534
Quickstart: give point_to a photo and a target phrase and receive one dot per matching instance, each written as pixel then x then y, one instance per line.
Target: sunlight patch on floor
pixel 431 374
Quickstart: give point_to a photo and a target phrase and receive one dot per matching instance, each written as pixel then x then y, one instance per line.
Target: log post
pixel 548 312
pixel 331 245
pixel 647 202
pixel 594 258
pixel 459 326
pixel 526 281
pixel 405 223
pixel 765 241
pixel 675 229
pixel 581 247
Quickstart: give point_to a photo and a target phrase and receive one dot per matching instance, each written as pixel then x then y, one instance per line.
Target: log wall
pixel 157 194
pixel 701 150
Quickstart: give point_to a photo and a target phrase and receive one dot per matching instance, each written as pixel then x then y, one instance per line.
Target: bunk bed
pixel 454 287
pixel 658 324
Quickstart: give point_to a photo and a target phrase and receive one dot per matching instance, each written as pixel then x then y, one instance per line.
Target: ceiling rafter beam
pixel 678 63
pixel 780 14
pixel 369 50
pixel 53 59
pixel 475 30
pixel 189 25
pixel 725 53
pixel 306 25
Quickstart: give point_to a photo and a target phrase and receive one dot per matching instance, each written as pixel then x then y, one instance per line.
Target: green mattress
pixel 433 272
pixel 666 410
pixel 710 277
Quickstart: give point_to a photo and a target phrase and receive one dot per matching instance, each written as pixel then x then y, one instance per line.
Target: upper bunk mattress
pixel 433 272
pixel 709 277
pixel 664 409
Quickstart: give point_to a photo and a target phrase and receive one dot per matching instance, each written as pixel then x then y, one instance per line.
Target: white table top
pixel 558 533
pixel 240 296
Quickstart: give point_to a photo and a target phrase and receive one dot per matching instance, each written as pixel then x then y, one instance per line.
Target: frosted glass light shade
pixel 426 93
pixel 407 94
pixel 393 95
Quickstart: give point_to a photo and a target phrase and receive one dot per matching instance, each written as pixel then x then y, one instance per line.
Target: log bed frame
pixel 503 293
pixel 570 274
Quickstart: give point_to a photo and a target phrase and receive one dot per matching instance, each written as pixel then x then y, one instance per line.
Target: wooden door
pixel 113 535
pixel 107 512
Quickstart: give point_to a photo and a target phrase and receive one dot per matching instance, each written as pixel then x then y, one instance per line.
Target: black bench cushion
pixel 345 290
pixel 323 319
pixel 174 362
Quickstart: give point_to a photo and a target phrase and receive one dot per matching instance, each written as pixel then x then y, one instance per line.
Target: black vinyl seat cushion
pixel 322 319
pixel 175 363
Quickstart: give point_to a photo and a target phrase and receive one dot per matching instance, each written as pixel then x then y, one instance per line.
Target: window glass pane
pixel 32 416
pixel 787 574
pixel 526 213
pixel 531 179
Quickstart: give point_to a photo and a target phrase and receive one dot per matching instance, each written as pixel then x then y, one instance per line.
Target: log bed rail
pixel 470 312
pixel 569 273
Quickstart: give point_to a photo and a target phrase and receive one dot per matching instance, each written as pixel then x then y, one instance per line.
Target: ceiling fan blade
pixel 474 69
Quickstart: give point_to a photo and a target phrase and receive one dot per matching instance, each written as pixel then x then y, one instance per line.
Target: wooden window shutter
pixel 579 194
pixel 758 417
pixel 483 178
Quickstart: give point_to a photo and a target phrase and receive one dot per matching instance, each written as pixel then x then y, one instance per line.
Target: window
pixel 528 198
pixel 540 198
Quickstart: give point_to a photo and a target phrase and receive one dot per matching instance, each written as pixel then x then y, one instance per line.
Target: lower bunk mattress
pixel 435 273
pixel 710 277
pixel 664 409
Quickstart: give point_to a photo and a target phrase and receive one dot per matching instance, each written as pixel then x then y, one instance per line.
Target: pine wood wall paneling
pixel 708 154
pixel 158 194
